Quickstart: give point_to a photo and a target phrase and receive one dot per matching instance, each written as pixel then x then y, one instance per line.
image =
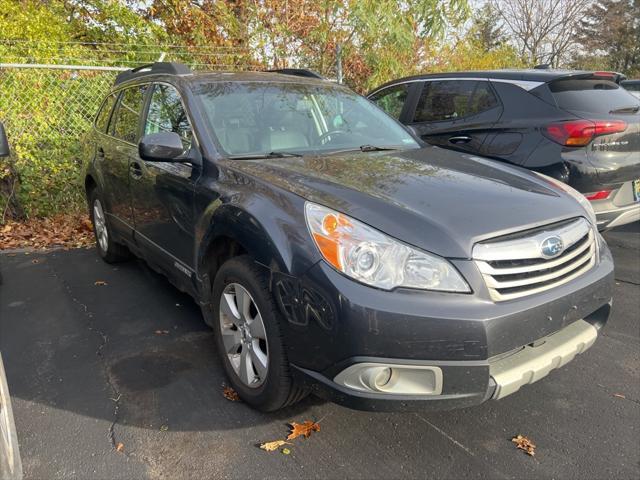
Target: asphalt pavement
pixel 128 362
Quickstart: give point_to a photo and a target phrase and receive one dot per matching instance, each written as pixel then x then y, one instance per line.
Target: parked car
pixel 331 253
pixel 578 127
pixel 633 86
pixel 10 465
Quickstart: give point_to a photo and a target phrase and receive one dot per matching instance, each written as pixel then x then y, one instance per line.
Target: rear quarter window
pixel 592 96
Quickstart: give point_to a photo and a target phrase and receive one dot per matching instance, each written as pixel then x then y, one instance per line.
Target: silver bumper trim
pixel 532 363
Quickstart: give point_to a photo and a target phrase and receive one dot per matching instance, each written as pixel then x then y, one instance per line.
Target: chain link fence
pixel 46 110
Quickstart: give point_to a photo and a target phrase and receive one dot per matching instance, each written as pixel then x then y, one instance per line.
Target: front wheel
pixel 248 337
pixel 109 250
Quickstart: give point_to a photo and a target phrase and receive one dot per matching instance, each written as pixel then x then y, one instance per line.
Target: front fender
pixel 267 224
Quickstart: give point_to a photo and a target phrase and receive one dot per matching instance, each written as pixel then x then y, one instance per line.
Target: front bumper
pixel 468 383
pixel 334 323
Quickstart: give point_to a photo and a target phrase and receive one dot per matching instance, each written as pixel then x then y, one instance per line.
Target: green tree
pixel 486 30
pixel 610 34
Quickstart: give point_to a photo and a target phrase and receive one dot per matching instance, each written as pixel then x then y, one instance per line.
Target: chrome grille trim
pixel 515 267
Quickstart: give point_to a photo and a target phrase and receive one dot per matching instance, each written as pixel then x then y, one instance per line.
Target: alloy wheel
pixel 243 335
pixel 100 224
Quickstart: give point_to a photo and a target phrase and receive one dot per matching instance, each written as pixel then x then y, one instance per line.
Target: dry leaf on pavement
pixel 162 332
pixel 120 447
pixel 299 429
pixel 523 443
pixel 100 283
pixel 230 394
pixel 619 395
pixel 272 446
pixel 70 230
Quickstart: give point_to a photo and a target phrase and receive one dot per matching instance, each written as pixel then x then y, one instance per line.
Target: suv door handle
pixel 460 139
pixel 135 170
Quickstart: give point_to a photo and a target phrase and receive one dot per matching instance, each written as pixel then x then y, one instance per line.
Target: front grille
pixel 516 267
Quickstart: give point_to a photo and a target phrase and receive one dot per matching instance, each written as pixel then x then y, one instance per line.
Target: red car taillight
pixel 579 133
pixel 601 195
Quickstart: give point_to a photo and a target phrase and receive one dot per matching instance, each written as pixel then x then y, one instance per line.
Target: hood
pixel 438 200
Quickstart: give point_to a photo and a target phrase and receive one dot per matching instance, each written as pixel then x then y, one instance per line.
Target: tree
pixel 544 31
pixel 486 30
pixel 610 36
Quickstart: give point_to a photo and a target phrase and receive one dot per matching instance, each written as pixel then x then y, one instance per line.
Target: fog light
pixel 376 378
pixel 392 379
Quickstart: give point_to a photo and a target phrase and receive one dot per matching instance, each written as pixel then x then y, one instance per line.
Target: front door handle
pixel 135 170
pixel 459 139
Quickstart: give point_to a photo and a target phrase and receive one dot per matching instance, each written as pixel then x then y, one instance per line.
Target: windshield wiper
pixel 630 109
pixel 366 148
pixel 254 156
pixel 374 148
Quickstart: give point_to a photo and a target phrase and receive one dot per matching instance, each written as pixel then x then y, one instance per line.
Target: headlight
pixel 581 199
pixel 376 259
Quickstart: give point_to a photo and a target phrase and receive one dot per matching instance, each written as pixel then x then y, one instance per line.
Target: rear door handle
pixel 460 139
pixel 135 170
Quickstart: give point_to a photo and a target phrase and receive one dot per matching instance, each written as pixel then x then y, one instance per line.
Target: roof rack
pixel 298 72
pixel 151 68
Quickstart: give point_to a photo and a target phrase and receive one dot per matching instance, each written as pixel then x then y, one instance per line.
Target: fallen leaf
pixel 271 446
pixel 286 451
pixel 162 332
pixel 100 283
pixel 299 429
pixel 120 447
pixel 164 428
pixel 230 394
pixel 523 443
pixel 68 230
pixel 619 395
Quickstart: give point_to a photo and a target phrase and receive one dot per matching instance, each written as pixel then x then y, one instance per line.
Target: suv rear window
pixel 592 96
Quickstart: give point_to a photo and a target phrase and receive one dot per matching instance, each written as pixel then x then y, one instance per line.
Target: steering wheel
pixel 325 135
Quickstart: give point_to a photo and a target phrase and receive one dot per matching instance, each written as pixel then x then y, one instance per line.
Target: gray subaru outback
pixel 333 253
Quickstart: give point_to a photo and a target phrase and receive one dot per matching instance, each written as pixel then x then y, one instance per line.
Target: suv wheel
pixel 248 338
pixel 109 250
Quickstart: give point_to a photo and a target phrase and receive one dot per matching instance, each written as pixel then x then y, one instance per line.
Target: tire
pixel 271 387
pixel 108 249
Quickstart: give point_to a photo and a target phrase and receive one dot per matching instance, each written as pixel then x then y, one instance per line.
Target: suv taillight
pixel 579 133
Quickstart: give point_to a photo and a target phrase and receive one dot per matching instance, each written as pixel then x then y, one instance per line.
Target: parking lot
pixel 129 361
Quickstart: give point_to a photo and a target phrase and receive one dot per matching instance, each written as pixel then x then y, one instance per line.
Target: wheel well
pixel 89 184
pixel 218 252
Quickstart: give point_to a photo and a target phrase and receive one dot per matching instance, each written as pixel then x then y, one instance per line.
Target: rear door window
pixel 447 100
pixel 127 119
pixel 102 119
pixel 591 96
pixel 391 99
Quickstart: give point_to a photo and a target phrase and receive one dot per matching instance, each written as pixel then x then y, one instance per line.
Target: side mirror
pixel 4 143
pixel 161 147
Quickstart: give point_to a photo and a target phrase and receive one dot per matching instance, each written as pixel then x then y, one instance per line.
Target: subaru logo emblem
pixel 551 247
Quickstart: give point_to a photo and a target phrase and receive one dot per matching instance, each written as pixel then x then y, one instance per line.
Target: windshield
pixel 593 96
pixel 254 118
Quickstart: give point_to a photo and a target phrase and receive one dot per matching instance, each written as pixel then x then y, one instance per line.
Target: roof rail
pixel 157 67
pixel 542 66
pixel 298 72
